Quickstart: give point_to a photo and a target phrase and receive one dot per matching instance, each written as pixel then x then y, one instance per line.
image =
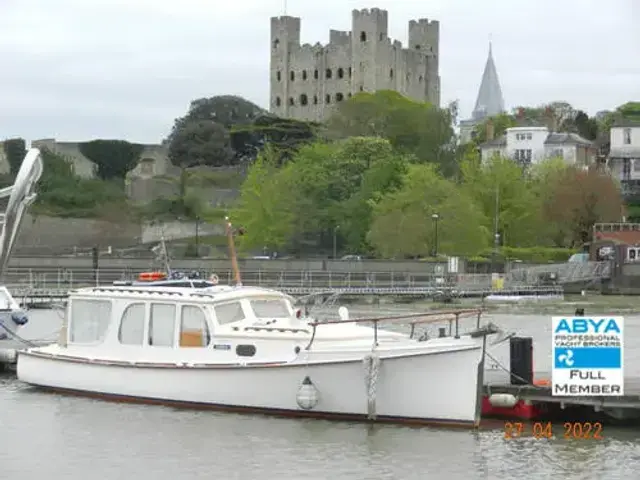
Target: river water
pixel 72 438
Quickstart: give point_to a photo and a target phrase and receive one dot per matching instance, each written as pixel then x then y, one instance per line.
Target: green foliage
pixel 403 225
pixel 15 149
pixel 325 188
pixel 415 128
pixel 285 135
pixel 500 124
pixel 61 193
pixel 202 136
pixel 114 158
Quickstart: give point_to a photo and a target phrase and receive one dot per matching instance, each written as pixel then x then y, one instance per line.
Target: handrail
pixel 421 318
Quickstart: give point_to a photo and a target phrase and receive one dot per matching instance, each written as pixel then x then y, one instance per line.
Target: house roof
pixel 623 237
pixel 490 101
pixel 625 122
pixel 500 141
pixel 567 139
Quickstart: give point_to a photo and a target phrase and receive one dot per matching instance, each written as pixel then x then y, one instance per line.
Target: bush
pixel 532 254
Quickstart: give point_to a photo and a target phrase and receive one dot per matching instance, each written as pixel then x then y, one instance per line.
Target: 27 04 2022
pixel 541 430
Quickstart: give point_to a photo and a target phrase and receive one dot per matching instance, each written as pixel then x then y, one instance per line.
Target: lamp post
pixel 197 237
pixel 335 241
pixel 435 217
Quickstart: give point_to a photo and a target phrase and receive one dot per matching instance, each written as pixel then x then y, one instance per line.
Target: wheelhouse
pixel 126 317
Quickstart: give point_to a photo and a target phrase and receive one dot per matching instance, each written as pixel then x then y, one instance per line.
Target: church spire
pixel 489 101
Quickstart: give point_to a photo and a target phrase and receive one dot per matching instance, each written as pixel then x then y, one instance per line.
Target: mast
pixel 232 253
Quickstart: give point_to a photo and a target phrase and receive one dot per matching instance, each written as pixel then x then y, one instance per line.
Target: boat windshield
pixel 270 307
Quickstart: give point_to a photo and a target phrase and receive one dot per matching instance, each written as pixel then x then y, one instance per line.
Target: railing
pixel 565 272
pixel 452 316
pixel 62 278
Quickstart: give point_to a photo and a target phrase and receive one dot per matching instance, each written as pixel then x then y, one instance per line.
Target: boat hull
pixel 426 388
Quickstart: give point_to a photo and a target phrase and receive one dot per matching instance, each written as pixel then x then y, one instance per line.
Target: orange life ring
pixel 151 276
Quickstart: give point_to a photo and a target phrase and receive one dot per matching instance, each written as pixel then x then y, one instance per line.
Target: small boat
pixel 247 349
pixel 20 195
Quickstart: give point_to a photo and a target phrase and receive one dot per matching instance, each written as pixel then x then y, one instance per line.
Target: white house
pixel 533 144
pixel 624 156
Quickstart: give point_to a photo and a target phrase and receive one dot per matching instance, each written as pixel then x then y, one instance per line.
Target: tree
pixel 201 137
pixel 200 142
pixel 402 224
pixel 580 198
pixel 114 158
pixel 500 124
pixel 264 209
pixel 324 186
pixel 503 185
pixel 416 128
pixel 285 135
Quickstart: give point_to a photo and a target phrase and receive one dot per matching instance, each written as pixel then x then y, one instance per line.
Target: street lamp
pixel 435 217
pixel 335 241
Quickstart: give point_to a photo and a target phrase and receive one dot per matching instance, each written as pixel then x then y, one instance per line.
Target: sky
pixel 76 70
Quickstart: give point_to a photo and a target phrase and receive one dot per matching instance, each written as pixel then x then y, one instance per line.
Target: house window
pixel 636 165
pixel 557 153
pixel 523 156
pixel 162 325
pixel 132 325
pixel 89 320
pixel 529 136
pixel 194 331
pixel 627 136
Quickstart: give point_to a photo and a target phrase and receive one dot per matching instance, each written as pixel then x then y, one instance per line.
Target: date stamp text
pixel 541 430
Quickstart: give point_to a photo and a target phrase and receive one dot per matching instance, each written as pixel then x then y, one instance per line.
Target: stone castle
pixel 308 80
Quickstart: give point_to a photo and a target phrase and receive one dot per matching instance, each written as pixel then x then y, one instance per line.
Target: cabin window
pixel 162 325
pixel 246 350
pixel 89 321
pixel 194 331
pixel 132 325
pixel 270 308
pixel 229 313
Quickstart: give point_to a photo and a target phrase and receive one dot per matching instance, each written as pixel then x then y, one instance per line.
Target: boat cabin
pixel 174 317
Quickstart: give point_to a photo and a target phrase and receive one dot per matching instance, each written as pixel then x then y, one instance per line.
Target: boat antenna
pixel 232 252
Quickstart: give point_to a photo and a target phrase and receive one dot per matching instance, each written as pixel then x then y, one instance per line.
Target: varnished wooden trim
pixel 273 412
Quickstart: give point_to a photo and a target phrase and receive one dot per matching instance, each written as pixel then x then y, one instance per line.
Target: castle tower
pixel 424 36
pixel 368 32
pixel 285 39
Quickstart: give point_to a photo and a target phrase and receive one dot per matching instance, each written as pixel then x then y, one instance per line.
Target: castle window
pixel 276 42
pixel 303 99
pixel 417 47
pixel 381 36
pixel 339 97
pixel 349 95
pixel 278 102
pixel 361 88
pixel 391 73
pixel 292 75
pixel 420 79
pixel 327 98
pixel 291 101
pixel 340 73
pixel 316 74
pixel 363 36
pixel 278 76
pixel 350 72
pixel 315 99
pixel 304 74
pixel 327 74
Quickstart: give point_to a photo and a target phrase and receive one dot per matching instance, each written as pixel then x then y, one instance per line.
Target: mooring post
pixel 95 257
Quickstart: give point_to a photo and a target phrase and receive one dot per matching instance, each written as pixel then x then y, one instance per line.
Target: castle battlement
pixel 307 81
